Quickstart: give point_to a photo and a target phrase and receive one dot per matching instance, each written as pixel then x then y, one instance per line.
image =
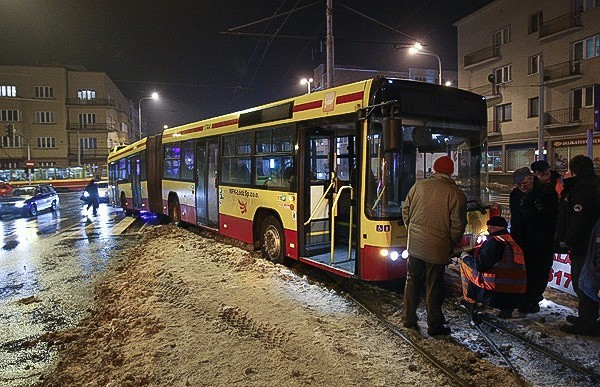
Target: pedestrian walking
pixel 435 214
pixel 495 276
pixel 533 212
pixel 93 198
pixel 579 210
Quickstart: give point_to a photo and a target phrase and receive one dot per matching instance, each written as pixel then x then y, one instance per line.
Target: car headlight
pixel 20 204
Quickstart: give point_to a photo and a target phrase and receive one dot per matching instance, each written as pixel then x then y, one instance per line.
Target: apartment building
pixel 62 120
pixel 538 64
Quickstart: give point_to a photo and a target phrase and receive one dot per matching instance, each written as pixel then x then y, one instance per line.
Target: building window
pixel 587 48
pixel 495 159
pixel 519 156
pixel 10 115
pixel 87 119
pixel 535 21
pixel 12 142
pixel 86 94
pixel 47 164
pixel 8 91
pixel 503 74
pixel 88 143
pixel 504 112
pixel 534 64
pixel 46 142
pixel 44 117
pixel 44 92
pixel 586 5
pixel 533 107
pixel 583 97
pixel 502 36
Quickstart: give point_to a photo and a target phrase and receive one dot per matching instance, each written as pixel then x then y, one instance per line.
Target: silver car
pixel 29 200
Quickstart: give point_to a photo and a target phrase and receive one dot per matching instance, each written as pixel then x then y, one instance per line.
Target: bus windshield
pixel 391 174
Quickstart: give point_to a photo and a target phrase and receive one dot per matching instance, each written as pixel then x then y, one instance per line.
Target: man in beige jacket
pixel 435 213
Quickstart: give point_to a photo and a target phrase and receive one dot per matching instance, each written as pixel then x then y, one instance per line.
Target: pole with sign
pixel 590 133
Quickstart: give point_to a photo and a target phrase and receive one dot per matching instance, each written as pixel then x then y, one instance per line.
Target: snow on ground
pixel 185 310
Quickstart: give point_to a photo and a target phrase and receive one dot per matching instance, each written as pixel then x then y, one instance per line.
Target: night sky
pixel 178 47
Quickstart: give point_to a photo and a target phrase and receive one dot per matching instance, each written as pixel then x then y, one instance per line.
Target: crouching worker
pixel 496 276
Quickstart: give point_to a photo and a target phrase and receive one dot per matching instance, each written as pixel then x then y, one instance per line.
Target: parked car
pixel 103 191
pixel 29 200
pixel 5 188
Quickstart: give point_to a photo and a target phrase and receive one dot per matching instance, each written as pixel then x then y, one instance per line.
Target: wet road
pixel 48 267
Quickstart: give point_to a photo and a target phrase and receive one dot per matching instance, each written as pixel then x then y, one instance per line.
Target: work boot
pixel 439 331
pixel 581 329
pixel 410 325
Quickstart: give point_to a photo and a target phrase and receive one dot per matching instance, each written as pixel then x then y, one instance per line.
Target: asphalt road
pixel 48 267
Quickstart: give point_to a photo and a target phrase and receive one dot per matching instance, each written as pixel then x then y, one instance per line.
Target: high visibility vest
pixel 507 275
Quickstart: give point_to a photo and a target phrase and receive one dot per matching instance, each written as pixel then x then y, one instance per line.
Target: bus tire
pixel 175 212
pixel 272 240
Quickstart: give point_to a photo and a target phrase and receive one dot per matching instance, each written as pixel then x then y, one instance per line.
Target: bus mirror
pixel 392 134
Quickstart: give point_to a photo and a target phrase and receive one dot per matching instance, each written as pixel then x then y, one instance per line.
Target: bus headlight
pixel 384 252
pixel 394 255
pixel 404 254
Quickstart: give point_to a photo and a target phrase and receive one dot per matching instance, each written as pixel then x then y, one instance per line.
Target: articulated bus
pixel 319 178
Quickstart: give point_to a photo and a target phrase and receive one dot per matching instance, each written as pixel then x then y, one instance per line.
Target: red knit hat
pixel 444 165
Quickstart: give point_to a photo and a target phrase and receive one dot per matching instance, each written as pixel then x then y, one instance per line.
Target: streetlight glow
pixel 306 82
pixel 417 48
pixel 155 97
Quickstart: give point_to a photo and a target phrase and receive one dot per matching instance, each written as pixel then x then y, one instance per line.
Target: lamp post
pixel 154 96
pixel 417 48
pixel 306 82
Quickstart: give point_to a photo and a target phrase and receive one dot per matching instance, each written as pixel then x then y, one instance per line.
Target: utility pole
pixel 540 155
pixel 330 61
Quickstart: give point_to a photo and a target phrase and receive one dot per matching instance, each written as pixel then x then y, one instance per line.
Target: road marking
pixel 122 226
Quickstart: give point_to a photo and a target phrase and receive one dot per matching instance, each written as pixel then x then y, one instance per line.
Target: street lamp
pixel 154 96
pixel 306 82
pixel 417 48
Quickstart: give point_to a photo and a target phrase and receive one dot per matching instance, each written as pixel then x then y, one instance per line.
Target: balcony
pixel 482 56
pixel 560 26
pixel 90 102
pixel 562 73
pixel 87 153
pixel 568 118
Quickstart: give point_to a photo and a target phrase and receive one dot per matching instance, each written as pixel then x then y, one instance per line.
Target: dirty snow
pixel 186 310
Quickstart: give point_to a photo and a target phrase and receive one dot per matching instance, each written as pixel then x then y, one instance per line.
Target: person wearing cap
pixel 495 276
pixel 579 210
pixel 543 174
pixel 435 214
pixel 533 212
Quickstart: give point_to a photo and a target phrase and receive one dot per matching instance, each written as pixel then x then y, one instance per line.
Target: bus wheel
pixel 273 240
pixel 175 212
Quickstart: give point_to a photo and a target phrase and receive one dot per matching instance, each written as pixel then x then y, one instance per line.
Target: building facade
pixel 61 120
pixel 538 63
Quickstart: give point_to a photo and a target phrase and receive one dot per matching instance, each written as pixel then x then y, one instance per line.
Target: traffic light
pixel 10 130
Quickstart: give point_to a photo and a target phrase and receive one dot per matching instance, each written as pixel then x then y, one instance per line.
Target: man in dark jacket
pixel 533 211
pixel 496 275
pixel 579 210
pixel 93 198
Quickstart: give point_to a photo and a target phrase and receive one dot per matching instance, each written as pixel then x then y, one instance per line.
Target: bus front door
pixel 329 214
pixel 207 196
pixel 318 193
